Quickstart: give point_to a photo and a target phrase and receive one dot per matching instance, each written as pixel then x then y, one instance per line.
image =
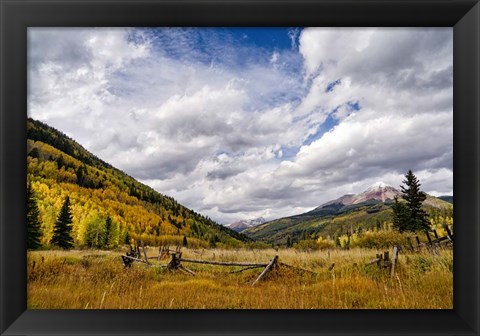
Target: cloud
pixel 235 130
pixel 359 148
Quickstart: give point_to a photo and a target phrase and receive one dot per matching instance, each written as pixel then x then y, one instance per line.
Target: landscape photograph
pixel 240 168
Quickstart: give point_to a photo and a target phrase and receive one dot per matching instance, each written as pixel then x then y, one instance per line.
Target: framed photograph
pixel 248 167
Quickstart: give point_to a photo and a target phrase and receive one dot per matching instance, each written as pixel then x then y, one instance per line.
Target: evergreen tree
pixel 410 216
pixel 289 241
pixel 60 161
pixel 304 235
pixel 63 227
pixel 400 215
pixel 128 239
pixel 33 220
pixel 157 229
pixel 80 173
pixel 34 153
pixel 185 242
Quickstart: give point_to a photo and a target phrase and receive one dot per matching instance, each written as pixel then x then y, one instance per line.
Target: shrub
pixel 314 245
pixel 324 243
pixel 379 239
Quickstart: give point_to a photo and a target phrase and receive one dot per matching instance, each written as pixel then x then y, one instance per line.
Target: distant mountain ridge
pixel 446 198
pixel 365 210
pixel 378 191
pixel 241 225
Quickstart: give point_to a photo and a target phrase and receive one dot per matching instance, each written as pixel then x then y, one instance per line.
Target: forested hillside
pixel 334 221
pixel 108 207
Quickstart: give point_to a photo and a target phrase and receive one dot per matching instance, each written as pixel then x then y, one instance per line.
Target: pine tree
pixel 63 227
pixel 289 241
pixel 34 153
pixel 185 242
pixel 400 215
pixel 410 216
pixel 33 220
pixel 128 239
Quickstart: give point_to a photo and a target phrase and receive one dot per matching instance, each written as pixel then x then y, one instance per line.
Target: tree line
pixel 62 232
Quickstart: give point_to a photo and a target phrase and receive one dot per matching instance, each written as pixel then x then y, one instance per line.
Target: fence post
pixel 449 233
pixel 160 253
pixel 386 259
pixel 428 237
pixel 144 252
pixel 174 263
pixel 394 260
pixel 272 264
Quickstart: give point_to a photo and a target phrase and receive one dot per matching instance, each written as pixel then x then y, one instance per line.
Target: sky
pixel 238 123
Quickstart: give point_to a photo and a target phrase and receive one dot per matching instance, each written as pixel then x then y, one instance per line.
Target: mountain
pixel 351 212
pixel 448 199
pixel 241 225
pixel 57 166
pixel 378 191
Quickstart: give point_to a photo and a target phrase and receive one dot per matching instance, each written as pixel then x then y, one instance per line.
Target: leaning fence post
pixel 449 233
pixel 428 237
pixel 272 264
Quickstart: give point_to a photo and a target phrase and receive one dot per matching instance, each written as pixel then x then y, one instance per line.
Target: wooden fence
pixel 384 261
pixel 432 242
pixel 176 261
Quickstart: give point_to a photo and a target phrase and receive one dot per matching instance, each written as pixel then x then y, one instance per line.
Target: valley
pixel 325 254
pixel 423 281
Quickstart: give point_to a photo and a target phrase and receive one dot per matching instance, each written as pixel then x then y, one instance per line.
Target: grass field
pixel 94 279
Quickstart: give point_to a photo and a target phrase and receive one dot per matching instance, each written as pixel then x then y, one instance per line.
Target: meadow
pixel 96 279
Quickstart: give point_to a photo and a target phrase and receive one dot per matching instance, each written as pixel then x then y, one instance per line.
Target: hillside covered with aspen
pixel 58 166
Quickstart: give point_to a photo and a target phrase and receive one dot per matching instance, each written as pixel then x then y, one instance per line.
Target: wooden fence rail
pixel 271 264
pixel 176 261
pixel 224 263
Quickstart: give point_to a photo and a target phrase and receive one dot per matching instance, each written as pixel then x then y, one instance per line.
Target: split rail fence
pixel 384 261
pixel 433 242
pixel 176 261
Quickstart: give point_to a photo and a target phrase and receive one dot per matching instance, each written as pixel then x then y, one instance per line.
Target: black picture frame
pixel 17 15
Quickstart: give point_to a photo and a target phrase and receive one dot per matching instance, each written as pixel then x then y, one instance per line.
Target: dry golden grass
pixel 97 280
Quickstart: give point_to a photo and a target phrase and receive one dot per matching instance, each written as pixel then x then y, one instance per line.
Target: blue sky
pixel 239 123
